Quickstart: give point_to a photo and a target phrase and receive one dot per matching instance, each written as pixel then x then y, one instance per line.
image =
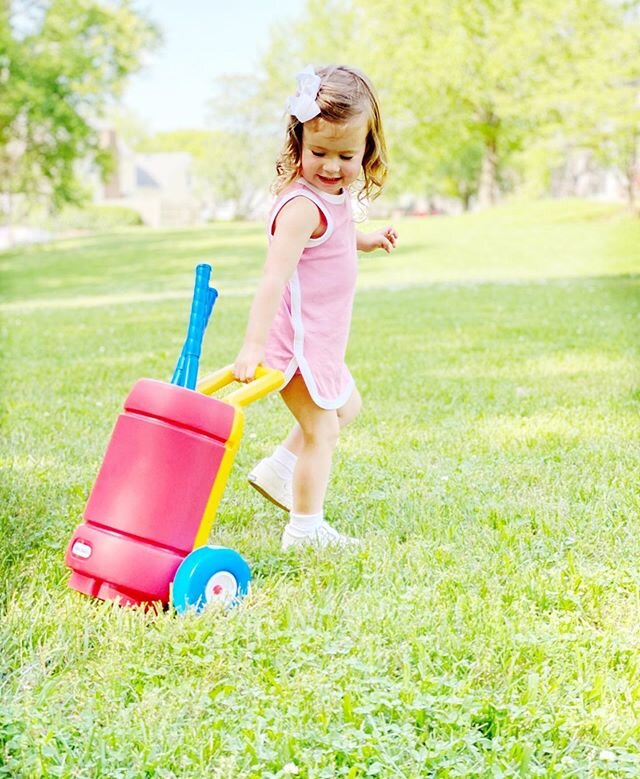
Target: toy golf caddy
pixel 154 500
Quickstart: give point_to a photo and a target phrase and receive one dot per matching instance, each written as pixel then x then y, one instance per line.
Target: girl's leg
pixel 273 475
pixel 316 435
pixel 346 414
pixel 319 429
pixel 351 409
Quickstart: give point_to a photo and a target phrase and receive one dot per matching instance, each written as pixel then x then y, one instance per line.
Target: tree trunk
pixel 632 173
pixel 488 191
pixel 6 210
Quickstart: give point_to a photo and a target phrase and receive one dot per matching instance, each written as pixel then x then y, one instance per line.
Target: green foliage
pixel 194 142
pixel 461 76
pixel 500 73
pixel 95 218
pixel 488 628
pixel 459 174
pixel 60 63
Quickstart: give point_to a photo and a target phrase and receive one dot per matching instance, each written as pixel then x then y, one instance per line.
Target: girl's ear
pixel 296 142
pixel 369 148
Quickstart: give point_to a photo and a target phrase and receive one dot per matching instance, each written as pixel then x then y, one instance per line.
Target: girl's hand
pixel 248 359
pixel 385 238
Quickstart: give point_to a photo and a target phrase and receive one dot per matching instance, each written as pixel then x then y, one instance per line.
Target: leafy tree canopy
pixel 61 63
pixel 468 85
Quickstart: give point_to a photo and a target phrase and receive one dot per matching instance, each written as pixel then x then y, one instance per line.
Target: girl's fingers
pixel 391 235
pixel 239 373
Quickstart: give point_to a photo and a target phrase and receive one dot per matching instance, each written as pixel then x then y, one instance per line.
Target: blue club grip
pixel 204 297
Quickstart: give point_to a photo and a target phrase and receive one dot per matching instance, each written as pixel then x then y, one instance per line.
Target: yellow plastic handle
pixel 266 380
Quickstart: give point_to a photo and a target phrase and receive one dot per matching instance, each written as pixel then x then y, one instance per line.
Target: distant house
pixel 582 175
pixel 159 186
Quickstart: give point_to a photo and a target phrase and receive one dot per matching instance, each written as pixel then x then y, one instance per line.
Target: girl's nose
pixel 332 166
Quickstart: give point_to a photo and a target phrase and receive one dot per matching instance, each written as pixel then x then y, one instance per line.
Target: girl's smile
pixel 332 153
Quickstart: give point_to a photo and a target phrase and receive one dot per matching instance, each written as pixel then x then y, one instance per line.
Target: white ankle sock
pixel 284 461
pixel 306 521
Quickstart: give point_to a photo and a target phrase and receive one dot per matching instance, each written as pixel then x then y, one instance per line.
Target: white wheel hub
pixel 222 588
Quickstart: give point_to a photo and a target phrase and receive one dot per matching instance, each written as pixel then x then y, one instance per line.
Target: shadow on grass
pixel 148 262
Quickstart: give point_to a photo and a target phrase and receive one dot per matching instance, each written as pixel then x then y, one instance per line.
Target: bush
pixel 94 218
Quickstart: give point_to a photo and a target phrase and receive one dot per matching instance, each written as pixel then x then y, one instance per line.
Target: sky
pixel 203 39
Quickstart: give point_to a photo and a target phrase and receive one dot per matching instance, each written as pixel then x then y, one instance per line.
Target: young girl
pixel 300 318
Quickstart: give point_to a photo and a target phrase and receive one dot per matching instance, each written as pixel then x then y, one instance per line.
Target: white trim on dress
pixel 317 202
pixel 338 199
pixel 300 361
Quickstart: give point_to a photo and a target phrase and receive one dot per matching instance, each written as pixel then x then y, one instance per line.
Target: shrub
pixel 95 218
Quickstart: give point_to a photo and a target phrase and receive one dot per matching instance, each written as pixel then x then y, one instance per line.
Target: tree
pixel 193 142
pixel 61 62
pixel 240 160
pixel 458 77
pixel 609 125
pixel 499 73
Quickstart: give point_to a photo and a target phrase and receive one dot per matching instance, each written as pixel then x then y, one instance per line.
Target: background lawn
pixel 490 627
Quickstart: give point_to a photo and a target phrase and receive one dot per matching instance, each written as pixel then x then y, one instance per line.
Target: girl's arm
pixel 295 223
pixel 384 238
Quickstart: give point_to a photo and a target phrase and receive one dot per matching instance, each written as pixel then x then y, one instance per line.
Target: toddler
pixel 300 317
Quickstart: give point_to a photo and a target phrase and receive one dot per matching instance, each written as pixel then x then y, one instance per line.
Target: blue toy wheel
pixel 210 574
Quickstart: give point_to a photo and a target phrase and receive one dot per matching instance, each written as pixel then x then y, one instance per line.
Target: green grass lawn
pixel 490 627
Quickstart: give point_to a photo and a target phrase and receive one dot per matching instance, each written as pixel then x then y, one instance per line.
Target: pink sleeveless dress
pixel 310 331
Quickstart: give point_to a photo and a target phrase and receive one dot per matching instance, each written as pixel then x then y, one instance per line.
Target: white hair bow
pixel 303 105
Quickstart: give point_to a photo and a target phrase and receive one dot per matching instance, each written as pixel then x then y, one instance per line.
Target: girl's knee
pixel 323 431
pixel 351 409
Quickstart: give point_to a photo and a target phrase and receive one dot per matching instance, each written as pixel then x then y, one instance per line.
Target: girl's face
pixel 332 153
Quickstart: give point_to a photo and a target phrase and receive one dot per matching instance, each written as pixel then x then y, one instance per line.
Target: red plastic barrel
pixel 148 500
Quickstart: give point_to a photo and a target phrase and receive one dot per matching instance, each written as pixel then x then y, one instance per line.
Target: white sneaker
pixel 321 536
pixel 266 479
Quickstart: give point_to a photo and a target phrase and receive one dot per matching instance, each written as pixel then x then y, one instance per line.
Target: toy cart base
pixel 133 556
pixel 157 491
pixel 95 588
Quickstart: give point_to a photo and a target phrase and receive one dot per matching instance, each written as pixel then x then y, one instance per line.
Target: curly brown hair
pixel 344 93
